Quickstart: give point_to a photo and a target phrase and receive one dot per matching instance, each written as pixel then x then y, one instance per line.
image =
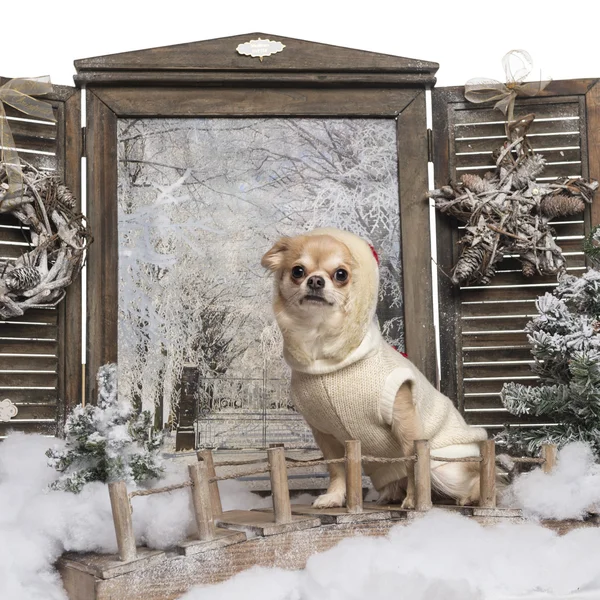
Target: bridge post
pixel 423 475
pixel 206 456
pixel 487 474
pixel 121 512
pixel 354 498
pixel 279 485
pixel 199 474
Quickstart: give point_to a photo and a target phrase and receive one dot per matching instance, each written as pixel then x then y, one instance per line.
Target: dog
pixel 348 383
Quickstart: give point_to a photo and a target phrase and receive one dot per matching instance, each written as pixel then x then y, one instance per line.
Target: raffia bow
pixel 517 66
pixel 19 93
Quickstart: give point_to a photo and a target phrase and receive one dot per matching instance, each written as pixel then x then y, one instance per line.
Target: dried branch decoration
pixel 507 211
pixel 38 278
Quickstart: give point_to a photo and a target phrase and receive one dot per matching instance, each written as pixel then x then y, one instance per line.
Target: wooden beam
pixel 279 486
pixel 121 511
pixel 354 498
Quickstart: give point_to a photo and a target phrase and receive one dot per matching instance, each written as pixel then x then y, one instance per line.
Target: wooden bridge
pixel 227 542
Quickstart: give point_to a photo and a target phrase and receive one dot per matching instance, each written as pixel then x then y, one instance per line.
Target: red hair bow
pixel 374 253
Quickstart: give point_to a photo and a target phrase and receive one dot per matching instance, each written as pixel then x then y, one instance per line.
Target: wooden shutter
pixel 40 352
pixel 483 344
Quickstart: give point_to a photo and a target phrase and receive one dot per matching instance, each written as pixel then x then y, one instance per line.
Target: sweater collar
pixel 369 345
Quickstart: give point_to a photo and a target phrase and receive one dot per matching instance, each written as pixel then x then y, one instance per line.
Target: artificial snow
pixel 38 524
pixel 440 556
pixel 570 491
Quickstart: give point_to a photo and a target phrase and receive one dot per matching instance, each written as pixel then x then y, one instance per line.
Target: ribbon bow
pixel 517 66
pixel 18 94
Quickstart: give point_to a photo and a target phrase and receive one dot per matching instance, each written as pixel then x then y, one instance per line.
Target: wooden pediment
pixel 218 60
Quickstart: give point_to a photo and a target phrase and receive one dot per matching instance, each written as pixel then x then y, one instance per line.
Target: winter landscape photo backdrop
pixel 200 201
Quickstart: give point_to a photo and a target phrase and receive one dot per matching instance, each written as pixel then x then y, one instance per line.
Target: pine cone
pixel 65 196
pixel 476 184
pixel 528 268
pixel 23 279
pixel 470 261
pixel 561 206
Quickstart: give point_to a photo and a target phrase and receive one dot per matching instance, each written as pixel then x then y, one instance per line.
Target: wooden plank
pixel 498 369
pixel 499 309
pixel 341 515
pixel 222 538
pixel 503 338
pixel 497 293
pixel 102 256
pixel 499 353
pixel 23 331
pixel 446 234
pixel 70 388
pixel 29 128
pixel 489 403
pixel 32 362
pixel 592 100
pixel 414 223
pixel 262 522
pixel 222 102
pixel 551 170
pixel 494 324
pixel 268 79
pixel 487 419
pixel 20 346
pixel 485 159
pixel 489 385
pixel 15 235
pixel 32 379
pixel 35 426
pixel 35 315
pixel 542 110
pixel 37 411
pixel 561 139
pixel 25 395
pixel 37 144
pixel 12 251
pixel 497 129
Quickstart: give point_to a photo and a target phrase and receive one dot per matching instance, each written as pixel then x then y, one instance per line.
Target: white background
pixel 467 38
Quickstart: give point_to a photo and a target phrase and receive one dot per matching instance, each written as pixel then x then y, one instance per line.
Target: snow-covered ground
pixel 438 557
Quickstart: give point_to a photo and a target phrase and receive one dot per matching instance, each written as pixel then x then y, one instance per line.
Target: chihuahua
pixel 348 383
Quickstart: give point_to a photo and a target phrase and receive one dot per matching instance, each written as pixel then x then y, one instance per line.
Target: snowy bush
pixel 109 441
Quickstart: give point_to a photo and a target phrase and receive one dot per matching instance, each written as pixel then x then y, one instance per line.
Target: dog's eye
pixel 297 272
pixel 340 275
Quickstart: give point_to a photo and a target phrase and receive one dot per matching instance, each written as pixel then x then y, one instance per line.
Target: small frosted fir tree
pixel 106 442
pixel 565 339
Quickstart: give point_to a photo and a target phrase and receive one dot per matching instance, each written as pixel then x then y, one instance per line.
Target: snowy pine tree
pixel 106 442
pixel 565 339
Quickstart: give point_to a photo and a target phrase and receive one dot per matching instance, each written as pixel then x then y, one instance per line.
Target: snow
pixel 568 492
pixel 440 556
pixel 37 524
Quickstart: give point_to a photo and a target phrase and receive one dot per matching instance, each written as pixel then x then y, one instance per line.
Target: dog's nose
pixel 316 282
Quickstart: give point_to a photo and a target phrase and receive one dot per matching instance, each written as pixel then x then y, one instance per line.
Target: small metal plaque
pixel 260 48
pixel 7 410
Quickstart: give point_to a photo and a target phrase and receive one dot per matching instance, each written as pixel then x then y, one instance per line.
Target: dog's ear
pixel 273 259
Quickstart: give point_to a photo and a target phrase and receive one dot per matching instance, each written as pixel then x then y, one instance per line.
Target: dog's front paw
pixel 408 503
pixel 331 500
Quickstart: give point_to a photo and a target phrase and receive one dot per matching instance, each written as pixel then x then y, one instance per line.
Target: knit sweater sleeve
pixel 393 383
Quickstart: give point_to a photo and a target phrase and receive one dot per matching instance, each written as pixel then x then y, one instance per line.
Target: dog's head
pixel 327 277
pixel 312 272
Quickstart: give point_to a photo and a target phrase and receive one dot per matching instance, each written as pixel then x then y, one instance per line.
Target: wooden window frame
pixel 105 105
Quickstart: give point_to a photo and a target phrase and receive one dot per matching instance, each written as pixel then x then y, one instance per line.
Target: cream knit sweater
pixel 355 400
